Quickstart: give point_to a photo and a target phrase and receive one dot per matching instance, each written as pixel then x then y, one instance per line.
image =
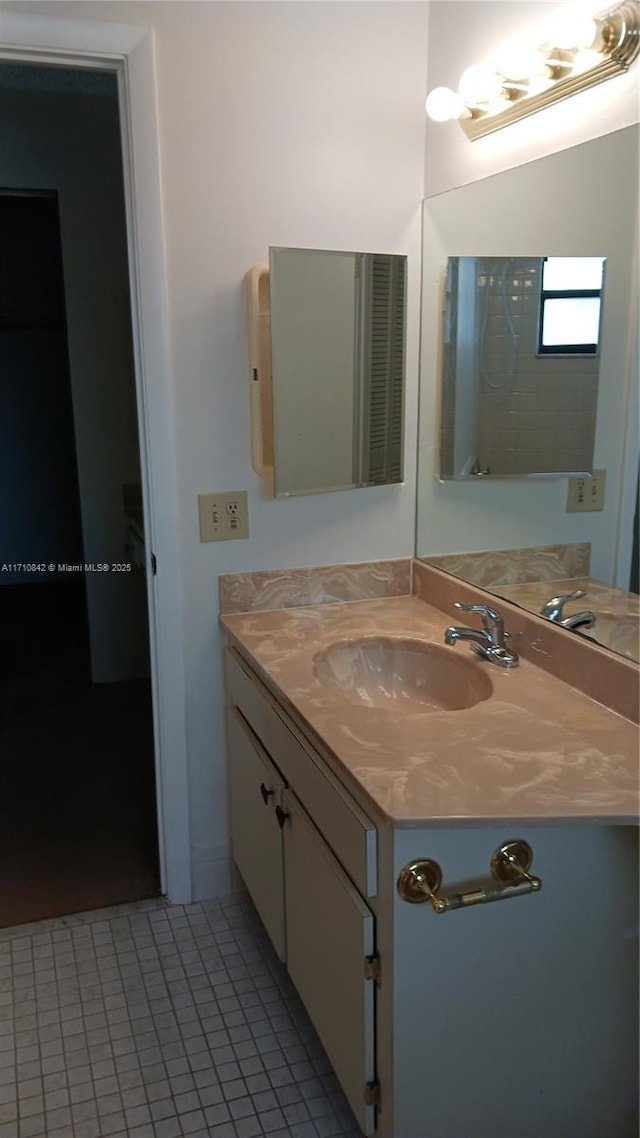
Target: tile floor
pixel 154 1021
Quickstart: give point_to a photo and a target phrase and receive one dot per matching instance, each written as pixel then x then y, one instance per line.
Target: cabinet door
pixel 255 786
pixel 330 932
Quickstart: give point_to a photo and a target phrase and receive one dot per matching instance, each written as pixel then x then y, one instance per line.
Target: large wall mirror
pixel 338 363
pixel 513 535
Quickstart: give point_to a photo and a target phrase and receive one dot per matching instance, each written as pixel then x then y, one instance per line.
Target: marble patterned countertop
pixel 536 752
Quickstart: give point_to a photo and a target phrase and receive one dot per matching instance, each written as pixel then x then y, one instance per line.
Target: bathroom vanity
pixel 362 754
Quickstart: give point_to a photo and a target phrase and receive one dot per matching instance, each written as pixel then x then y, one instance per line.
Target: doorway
pixel 78 823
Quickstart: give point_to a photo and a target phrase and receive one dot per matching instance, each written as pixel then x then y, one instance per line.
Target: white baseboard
pixel 212 879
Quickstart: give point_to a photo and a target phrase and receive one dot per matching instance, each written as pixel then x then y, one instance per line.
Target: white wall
pixel 70 143
pixel 297 124
pixel 464 32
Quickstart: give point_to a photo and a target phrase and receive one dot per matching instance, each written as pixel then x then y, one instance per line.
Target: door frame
pixel 129 51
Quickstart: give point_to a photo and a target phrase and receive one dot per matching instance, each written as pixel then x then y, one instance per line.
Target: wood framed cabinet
pixel 318 921
pixel 255 794
pixel 493 1020
pixel 330 939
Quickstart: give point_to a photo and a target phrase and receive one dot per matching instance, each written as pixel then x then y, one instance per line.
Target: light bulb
pixel 539 84
pixel 479 84
pixel 585 60
pixel 572 29
pixel 443 104
pixel 520 62
pixel 496 106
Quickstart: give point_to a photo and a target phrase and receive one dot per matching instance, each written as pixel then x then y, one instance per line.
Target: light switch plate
pixel 586 494
pixel 224 515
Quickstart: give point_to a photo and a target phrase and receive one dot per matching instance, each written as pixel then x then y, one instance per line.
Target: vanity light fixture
pixel 579 52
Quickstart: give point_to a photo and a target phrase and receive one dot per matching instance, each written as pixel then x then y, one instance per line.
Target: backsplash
pixel 321 585
pixel 518 566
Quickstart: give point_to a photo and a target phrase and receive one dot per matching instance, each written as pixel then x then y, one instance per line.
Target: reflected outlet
pixel 586 494
pixel 224 516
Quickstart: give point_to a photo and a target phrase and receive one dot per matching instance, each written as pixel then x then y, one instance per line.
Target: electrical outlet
pixel 586 494
pixel 223 516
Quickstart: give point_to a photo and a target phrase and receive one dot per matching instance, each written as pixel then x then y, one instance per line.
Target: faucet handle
pixel 490 641
pixel 486 612
pixel 553 607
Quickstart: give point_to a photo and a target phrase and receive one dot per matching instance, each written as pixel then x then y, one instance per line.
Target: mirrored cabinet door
pixel 338 362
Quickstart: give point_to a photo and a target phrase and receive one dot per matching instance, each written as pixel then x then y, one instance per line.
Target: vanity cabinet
pixel 511 1018
pixel 330 940
pixel 255 793
pixel 305 890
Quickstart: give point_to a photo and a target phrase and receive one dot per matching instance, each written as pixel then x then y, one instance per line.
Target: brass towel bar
pixel 420 881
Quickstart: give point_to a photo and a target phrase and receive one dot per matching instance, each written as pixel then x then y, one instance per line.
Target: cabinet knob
pixel 266 793
pixel 282 816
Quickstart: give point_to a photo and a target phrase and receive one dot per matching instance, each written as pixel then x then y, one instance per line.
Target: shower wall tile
pixel 553 399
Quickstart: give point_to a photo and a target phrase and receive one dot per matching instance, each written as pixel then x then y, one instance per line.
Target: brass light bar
pixel 616 45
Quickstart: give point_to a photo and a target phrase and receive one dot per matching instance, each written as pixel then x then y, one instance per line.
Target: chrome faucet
pixel 488 641
pixel 553 611
pixel 579 620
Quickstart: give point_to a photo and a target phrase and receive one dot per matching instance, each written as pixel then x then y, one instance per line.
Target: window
pixel 570 297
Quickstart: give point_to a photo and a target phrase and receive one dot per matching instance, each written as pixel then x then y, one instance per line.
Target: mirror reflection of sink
pixel 619 631
pixel 388 672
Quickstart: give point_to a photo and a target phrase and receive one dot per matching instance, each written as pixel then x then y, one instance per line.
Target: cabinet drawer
pixel 255 787
pixel 346 828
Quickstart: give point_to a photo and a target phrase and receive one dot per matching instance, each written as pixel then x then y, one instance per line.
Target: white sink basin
pixel 385 672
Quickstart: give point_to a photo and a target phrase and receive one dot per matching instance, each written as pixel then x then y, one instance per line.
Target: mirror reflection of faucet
pixel 579 620
pixel 553 610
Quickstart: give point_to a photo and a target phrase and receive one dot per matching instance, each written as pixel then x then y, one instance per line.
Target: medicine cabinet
pixel 326 337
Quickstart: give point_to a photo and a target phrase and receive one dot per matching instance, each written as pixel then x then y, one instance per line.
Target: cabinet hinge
pixel 372 967
pixel 372 1094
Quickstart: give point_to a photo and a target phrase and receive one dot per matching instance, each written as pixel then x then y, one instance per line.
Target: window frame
pixel 568 294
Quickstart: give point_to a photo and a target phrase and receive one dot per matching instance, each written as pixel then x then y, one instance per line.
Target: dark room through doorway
pixel 78 822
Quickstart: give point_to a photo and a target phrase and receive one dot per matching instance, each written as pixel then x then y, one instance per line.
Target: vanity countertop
pixel 537 752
